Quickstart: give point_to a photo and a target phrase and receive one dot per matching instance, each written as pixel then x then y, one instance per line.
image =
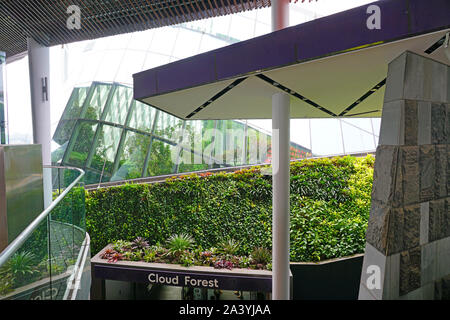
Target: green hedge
pixel 330 202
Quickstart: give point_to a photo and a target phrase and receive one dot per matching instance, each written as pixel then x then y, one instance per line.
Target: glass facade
pixel 2 100
pixel 113 137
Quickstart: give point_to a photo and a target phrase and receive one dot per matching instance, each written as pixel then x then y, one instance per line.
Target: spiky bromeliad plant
pixel 228 248
pixel 139 244
pixel 179 243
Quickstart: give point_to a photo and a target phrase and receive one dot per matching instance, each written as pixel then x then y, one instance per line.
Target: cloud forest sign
pixel 176 275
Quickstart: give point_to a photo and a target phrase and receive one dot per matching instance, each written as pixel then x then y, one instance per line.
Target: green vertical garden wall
pixel 330 203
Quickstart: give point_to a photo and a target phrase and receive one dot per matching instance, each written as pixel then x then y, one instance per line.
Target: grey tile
pixel 395 78
pixel 391 286
pixel 440 181
pixel 384 173
pixel 364 293
pixel 410 126
pixel 443 257
pixel 438 122
pixel 427 172
pixel 411 228
pixel 417 77
pixel 439 82
pixel 373 257
pixel 424 222
pixel 392 123
pixel 410 270
pixel 424 122
pixel 428 263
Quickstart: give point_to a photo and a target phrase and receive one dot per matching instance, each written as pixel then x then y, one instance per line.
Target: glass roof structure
pixel 116 58
pixel 113 137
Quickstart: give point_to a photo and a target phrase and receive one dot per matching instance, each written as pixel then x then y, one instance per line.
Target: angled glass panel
pixel 131 63
pixel 168 127
pixel 76 101
pixel 133 156
pixel 92 176
pixel 119 105
pixel 83 143
pixel 142 117
pixel 326 136
pixel 163 157
pixel 230 145
pixel 106 148
pixel 356 139
pixel 70 115
pixel 97 101
pixel 252 140
pixel 190 161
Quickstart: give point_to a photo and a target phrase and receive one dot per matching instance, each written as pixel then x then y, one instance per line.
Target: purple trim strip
pixel 196 279
pixel 318 38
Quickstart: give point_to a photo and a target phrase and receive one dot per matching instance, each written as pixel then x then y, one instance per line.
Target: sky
pixel 62 78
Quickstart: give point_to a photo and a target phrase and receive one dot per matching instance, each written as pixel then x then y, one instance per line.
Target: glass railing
pixel 47 260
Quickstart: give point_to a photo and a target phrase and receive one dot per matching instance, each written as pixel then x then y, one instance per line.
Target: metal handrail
pixel 26 233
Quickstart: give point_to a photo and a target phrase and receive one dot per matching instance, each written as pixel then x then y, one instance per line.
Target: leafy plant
pixel 229 247
pixel 223 264
pixel 20 268
pixel 261 255
pixel 329 201
pixel 121 245
pixel 139 244
pixel 180 242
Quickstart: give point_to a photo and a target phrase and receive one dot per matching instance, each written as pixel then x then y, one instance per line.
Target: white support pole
pixel 39 70
pixel 280 200
pixel 280 14
pixel 281 174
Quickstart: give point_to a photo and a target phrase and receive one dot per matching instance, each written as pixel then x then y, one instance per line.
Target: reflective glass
pixel 119 104
pixel 106 148
pixel 42 267
pixel 132 159
pixel 142 117
pixel 84 137
pixel 90 66
pixel 327 137
pixel 164 40
pixel 76 101
pixel 131 63
pixel 28 268
pixel 163 157
pixel 187 44
pixel 97 102
pixel 168 126
pixel 106 71
pixel 357 139
pixel 191 162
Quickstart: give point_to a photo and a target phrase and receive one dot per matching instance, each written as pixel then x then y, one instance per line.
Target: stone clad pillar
pixel 407 252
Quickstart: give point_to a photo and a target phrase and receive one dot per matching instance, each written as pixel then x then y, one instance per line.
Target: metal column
pixel 281 174
pixel 39 69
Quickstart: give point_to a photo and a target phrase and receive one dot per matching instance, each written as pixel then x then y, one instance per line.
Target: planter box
pixel 336 279
pixel 236 279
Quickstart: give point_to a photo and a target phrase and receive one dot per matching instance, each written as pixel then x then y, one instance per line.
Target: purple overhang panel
pixel 343 32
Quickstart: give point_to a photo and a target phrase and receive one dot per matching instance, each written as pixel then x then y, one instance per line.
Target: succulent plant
pixel 139 244
pixel 223 264
pixel 121 246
